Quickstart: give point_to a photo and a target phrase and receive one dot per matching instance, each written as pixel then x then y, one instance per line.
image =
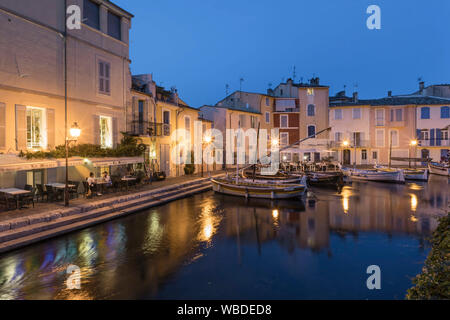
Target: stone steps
pixel 56 223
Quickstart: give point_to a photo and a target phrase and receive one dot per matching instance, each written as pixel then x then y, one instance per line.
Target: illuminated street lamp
pixel 274 142
pixel 206 140
pixel 75 133
pixel 345 143
pixel 413 144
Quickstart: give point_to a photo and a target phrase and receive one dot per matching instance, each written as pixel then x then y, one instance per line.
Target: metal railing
pixel 152 129
pixel 434 142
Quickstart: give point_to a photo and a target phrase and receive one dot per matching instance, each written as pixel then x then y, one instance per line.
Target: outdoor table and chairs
pixel 128 179
pixel 18 195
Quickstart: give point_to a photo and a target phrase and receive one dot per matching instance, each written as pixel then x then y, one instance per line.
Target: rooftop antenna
pixel 301 79
pixel 227 87
pixel 240 86
pixel 294 75
pixel 270 85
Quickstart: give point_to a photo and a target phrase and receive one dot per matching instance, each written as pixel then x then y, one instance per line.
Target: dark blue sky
pixel 201 45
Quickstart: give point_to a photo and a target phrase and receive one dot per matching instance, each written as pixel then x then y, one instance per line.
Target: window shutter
pixel 50 129
pixel 21 127
pixel 96 130
pixel 2 126
pixel 438 137
pixel 432 137
pixel 115 132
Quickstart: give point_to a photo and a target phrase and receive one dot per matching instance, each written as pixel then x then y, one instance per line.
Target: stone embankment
pixel 19 232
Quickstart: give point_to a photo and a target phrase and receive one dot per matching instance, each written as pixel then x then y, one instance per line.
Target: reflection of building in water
pixel 390 209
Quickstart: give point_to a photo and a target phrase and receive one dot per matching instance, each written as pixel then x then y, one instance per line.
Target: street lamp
pixel 345 143
pixel 206 141
pixel 413 143
pixel 75 133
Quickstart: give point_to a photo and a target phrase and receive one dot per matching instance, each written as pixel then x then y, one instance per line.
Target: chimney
pixel 389 93
pixel 421 86
pixel 355 96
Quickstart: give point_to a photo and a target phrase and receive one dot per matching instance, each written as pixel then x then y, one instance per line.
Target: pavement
pixel 43 207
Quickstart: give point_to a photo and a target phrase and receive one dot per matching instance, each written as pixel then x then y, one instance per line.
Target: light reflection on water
pixel 215 246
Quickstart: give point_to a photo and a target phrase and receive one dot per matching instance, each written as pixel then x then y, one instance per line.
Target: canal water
pixel 211 246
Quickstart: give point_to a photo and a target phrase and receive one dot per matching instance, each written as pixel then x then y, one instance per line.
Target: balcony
pixel 434 143
pixel 152 129
pixel 351 144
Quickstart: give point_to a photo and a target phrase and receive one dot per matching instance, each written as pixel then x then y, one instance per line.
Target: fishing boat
pixel 439 169
pixel 247 189
pixel 379 175
pixel 325 179
pixel 279 178
pixel 410 174
pixel 416 174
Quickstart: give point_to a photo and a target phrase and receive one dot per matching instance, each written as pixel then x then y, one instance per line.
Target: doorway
pixel 346 157
pixel 165 159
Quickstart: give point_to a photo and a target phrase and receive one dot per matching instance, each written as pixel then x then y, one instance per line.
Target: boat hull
pixel 442 171
pixel 378 176
pixel 421 175
pixel 254 190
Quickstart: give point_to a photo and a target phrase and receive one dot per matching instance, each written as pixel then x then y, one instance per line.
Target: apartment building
pixel 32 82
pixel 229 117
pixel 303 107
pixel 433 130
pixel 350 131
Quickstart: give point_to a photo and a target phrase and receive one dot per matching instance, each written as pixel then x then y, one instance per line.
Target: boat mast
pixel 390 148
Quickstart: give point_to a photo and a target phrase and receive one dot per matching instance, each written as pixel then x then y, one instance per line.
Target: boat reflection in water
pixel 213 246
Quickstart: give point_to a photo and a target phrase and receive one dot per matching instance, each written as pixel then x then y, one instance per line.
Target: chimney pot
pixel 421 86
pixel 389 93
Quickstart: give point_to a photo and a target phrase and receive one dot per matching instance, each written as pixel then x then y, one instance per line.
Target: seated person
pixel 107 178
pixel 92 183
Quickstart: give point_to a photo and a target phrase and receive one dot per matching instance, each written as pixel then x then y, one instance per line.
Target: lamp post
pixel 345 144
pixel 75 133
pixel 206 141
pixel 413 143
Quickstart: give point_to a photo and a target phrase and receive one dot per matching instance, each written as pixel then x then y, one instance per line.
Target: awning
pixel 11 162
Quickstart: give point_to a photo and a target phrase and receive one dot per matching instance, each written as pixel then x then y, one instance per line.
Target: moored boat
pixel 410 174
pixel 258 190
pixel 382 175
pixel 325 179
pixel 416 174
pixel 436 168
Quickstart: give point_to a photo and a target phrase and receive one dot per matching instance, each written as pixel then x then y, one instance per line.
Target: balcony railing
pixel 351 144
pixel 434 142
pixel 152 129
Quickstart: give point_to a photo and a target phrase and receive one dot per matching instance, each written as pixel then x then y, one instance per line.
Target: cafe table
pixel 16 193
pixel 127 180
pixel 58 185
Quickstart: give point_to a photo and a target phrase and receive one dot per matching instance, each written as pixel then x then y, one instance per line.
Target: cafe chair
pixel 27 199
pixel 41 192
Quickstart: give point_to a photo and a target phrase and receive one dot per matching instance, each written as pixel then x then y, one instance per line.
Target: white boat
pixel 410 174
pixel 439 169
pixel 380 175
pixel 416 174
pixel 258 190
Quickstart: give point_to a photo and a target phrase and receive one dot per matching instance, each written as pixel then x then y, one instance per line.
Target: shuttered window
pixel 104 74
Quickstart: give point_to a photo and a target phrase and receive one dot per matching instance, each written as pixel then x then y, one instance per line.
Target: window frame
pixel 286 116
pixel 42 143
pixel 109 141
pixel 447 109
pixel 284 134
pixel 353 113
pixel 376 138
pixel 313 110
pixel 340 112
pixel 267 115
pixel 422 109
pixel 104 79
pixel 307 130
